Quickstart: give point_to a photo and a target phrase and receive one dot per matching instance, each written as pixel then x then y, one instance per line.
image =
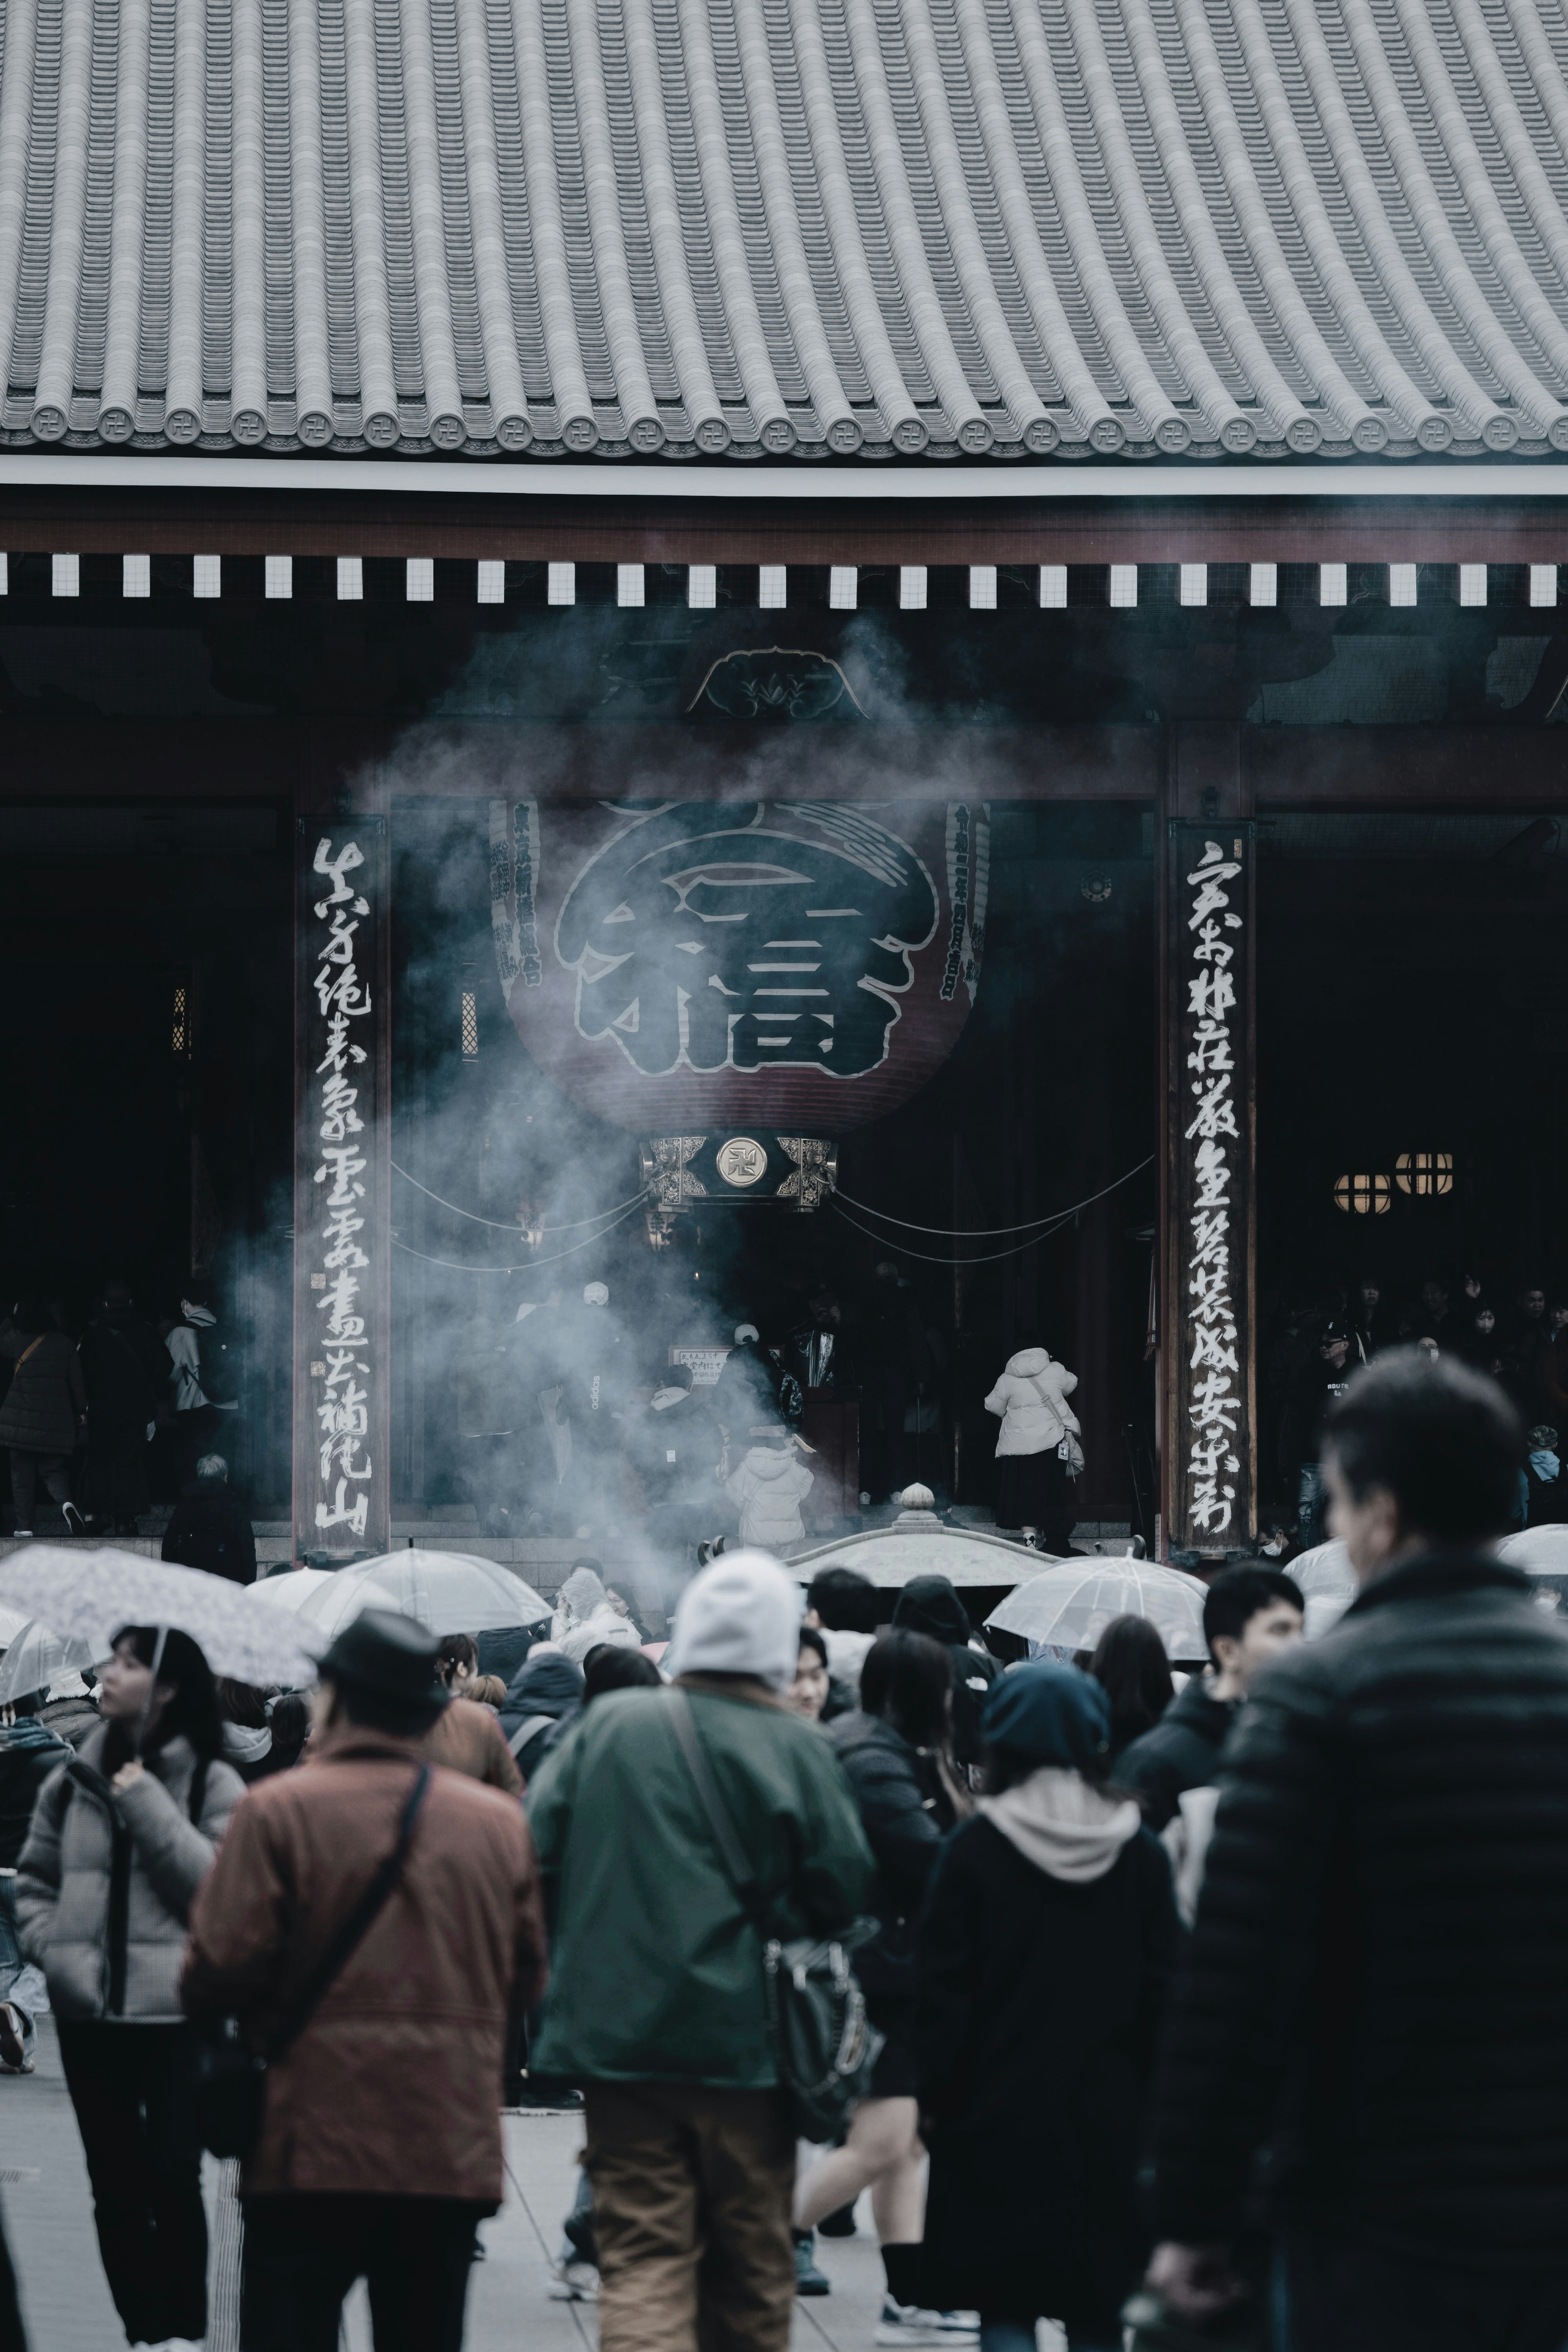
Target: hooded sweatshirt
pixel 1068 1829
pixel 545 1699
pixel 768 1490
pixel 1032 1399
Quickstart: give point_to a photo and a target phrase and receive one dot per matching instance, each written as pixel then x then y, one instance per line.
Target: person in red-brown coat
pixel 380 2145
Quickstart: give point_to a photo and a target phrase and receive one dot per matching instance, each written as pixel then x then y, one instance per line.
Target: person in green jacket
pixel 655 2005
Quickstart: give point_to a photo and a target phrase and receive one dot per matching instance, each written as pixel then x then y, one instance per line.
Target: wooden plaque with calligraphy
pixel 1209 1406
pixel 343 1488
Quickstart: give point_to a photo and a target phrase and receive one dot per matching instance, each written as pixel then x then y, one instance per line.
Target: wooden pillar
pixel 1208 1416
pixel 342 1455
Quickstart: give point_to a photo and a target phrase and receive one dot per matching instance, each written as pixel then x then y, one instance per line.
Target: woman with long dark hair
pixel 122 1837
pixel 892 1750
pixel 1040 1976
pixel 1132 1668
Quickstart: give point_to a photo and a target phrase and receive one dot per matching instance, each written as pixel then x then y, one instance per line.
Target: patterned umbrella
pixel 1069 1605
pixel 88 1594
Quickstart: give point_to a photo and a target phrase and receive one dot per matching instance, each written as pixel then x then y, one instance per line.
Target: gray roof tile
pixel 1024 226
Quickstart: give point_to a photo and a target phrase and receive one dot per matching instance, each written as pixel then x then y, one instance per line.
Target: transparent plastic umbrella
pixel 290 1588
pixel 447 1592
pixel 34 1656
pixel 11 1621
pixel 1539 1552
pixel 1070 1605
pixel 1328 1585
pixel 1325 1569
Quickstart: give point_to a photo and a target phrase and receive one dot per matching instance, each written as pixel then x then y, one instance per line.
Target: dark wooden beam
pixel 469 520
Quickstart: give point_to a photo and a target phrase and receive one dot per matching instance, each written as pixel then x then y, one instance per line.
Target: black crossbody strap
pixel 720 1819
pixel 303 2006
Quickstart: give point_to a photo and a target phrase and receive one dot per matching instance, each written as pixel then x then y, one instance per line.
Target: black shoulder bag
pixel 231 2080
pixel 824 2045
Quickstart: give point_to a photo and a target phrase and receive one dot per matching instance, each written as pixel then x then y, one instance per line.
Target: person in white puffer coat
pixel 768 1490
pixel 1031 1490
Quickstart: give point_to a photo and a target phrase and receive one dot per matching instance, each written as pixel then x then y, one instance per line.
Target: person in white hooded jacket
pixel 768 1490
pixel 585 1616
pixel 1031 1489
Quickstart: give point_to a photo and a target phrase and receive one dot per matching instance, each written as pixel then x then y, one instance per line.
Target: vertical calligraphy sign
pixel 343 1488
pixel 1210 1404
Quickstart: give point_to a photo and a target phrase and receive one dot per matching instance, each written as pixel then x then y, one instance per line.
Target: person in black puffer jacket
pixel 543 1703
pixel 929 1604
pixel 1371 2021
pixel 891 1750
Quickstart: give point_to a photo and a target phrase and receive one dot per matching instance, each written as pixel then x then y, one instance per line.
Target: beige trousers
pixel 691 2197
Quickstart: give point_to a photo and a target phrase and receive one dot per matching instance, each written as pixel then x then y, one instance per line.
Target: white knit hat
pixel 741 1616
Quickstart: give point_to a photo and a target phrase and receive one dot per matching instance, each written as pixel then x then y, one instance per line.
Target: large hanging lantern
pixel 739 982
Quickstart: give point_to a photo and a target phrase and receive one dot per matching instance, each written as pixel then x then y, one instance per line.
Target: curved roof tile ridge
pixel 485 228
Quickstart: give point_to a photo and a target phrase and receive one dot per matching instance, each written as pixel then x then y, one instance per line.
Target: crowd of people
pixel 1516 1333
pixel 96 1422
pixel 568 1420
pixel 1226 2005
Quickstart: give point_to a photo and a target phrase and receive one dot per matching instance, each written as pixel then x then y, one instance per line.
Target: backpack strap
pixel 199 1789
pixel 526 1730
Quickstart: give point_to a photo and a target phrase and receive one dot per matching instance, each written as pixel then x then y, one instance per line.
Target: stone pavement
pixel 67 2307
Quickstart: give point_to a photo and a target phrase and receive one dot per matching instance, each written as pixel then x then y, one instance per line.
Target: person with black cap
pixel 1040 1979
pixel 930 1604
pixel 380 2144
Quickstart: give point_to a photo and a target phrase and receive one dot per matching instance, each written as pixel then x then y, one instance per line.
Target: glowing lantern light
pixel 1363 1196
pixel 1425 1174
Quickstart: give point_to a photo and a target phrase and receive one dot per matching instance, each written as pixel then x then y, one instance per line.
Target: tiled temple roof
pixel 856 227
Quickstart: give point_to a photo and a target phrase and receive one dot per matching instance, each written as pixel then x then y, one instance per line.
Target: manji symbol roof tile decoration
pixel 865 228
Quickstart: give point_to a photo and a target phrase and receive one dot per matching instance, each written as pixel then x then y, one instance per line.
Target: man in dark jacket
pixel 1249 1616
pixel 1373 2000
pixel 126 1368
pixel 543 1703
pixel 211 1528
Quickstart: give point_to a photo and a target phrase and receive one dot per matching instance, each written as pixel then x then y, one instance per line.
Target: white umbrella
pixel 1326 1569
pixel 1539 1552
pixel 290 1588
pixel 1070 1605
pixel 447 1592
pixel 35 1656
pixel 90 1593
pixel 11 1623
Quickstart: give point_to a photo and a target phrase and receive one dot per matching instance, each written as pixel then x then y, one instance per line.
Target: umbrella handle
pixel 151 1687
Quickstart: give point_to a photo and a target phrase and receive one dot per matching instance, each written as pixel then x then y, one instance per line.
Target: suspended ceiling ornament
pixel 776 682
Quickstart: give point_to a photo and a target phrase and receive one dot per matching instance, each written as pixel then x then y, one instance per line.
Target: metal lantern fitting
pixel 1425 1174
pixel 1363 1196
